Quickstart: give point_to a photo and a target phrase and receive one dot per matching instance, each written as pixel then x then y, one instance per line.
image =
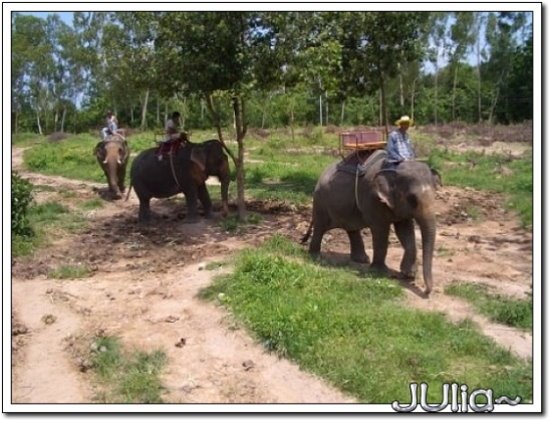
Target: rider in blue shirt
pixel 399 146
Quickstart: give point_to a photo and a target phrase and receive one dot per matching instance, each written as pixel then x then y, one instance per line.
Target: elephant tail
pixel 308 233
pixel 128 194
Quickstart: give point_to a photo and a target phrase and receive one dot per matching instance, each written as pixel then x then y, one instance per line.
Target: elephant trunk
pixel 112 170
pixel 427 229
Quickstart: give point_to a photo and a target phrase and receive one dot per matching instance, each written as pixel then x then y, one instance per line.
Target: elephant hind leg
pixel 357 247
pixel 144 210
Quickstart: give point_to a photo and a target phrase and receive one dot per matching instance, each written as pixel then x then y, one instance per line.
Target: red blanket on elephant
pixel 169 147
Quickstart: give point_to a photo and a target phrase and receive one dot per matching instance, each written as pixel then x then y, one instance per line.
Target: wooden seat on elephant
pixel 364 140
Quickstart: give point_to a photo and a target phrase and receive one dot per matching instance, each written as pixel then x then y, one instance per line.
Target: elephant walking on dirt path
pixel 185 171
pixel 112 156
pixel 377 199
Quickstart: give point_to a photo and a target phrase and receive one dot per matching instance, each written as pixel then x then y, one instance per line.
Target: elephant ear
pixel 384 183
pixel 436 179
pixel 198 156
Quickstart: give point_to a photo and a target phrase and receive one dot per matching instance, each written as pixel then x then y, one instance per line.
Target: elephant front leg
pixel 380 234
pixel 357 247
pixel 405 232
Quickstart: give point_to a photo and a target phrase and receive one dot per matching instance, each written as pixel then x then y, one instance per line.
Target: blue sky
pixel 66 17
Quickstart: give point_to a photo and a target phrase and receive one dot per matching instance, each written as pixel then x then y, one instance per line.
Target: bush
pixel 21 197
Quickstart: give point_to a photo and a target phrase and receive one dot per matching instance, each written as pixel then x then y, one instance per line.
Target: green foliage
pixel 511 312
pixel 354 330
pixel 21 198
pixel 127 378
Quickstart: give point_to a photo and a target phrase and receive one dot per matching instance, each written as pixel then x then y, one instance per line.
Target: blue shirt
pixel 399 147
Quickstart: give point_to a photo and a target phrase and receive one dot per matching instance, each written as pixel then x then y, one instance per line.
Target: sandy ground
pixel 146 279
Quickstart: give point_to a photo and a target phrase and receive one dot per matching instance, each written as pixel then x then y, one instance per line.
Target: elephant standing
pixel 377 199
pixel 112 155
pixel 186 171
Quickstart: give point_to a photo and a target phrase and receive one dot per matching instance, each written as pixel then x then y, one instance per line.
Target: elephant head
pixel 209 159
pixel 409 193
pixel 113 156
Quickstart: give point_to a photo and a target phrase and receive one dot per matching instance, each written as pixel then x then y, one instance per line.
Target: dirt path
pixel 145 282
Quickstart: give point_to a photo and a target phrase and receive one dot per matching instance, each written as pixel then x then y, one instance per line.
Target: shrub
pixel 21 197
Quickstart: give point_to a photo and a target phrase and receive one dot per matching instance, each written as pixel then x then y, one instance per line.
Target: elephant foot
pixel 360 258
pixel 380 267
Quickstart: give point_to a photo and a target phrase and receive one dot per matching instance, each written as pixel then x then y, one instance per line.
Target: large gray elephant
pixel 112 155
pixel 378 198
pixel 185 171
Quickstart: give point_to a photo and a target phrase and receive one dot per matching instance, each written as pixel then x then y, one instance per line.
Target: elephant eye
pixel 412 200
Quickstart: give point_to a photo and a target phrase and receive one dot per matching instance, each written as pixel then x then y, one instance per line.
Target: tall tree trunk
pixel 144 111
pixel 342 112
pixel 383 103
pixel 292 123
pixel 38 122
pixel 215 117
pixel 326 109
pixel 320 110
pixel 55 120
pixel 413 93
pixel 478 50
pixel 132 118
pixel 453 101
pixel 16 124
pixel 436 99
pixel 158 110
pixel 184 113
pixel 63 119
pixel 240 127
pixel 401 91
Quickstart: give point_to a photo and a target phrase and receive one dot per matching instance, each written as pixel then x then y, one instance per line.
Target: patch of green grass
pixel 44 218
pixel 69 272
pixel 92 204
pixel 356 331
pixel 511 312
pixel 484 172
pixel 127 377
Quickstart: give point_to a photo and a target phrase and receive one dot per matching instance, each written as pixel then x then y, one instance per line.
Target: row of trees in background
pixel 270 69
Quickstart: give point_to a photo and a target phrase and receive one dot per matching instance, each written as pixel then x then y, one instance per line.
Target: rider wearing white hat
pixel 399 146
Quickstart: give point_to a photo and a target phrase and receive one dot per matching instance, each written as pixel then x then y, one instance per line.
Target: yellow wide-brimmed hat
pixel 404 120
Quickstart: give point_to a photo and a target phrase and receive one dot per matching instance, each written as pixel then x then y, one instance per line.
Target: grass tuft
pixel 127 378
pixel 501 309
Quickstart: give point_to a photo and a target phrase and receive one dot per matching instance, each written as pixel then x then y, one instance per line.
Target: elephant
pixel 377 199
pixel 112 155
pixel 186 171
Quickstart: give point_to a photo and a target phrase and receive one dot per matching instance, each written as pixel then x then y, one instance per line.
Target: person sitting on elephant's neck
pixel 172 134
pixel 111 126
pixel 399 146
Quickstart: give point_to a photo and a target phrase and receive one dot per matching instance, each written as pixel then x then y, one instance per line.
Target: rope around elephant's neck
pixel 173 171
pixel 356 183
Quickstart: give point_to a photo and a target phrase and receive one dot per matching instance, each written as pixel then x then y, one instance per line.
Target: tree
pixel 372 45
pixel 218 55
pixel 462 36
